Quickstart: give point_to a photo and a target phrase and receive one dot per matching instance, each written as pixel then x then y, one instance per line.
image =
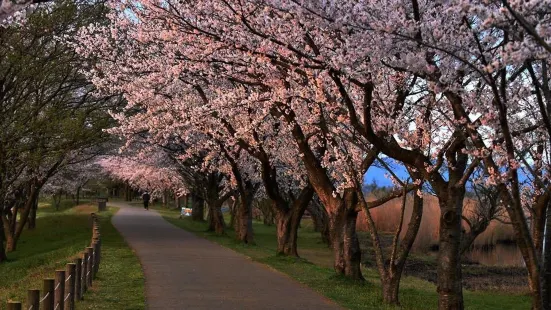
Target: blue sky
pixel 378 175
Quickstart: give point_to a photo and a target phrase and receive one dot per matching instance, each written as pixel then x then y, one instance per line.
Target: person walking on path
pixel 146 198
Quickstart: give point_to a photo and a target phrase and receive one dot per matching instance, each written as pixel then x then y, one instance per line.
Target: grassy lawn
pixel 59 238
pixel 315 271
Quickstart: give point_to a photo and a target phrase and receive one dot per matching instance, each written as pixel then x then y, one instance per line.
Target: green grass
pixel 59 238
pixel 314 270
pixel 120 281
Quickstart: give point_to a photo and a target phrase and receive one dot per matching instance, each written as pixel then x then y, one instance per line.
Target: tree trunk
pixel 57 200
pixel 391 290
pixel 3 256
pixel 233 212
pixel 450 293
pixel 197 211
pixel 13 223
pixel 244 228
pixel 345 244
pixel 8 234
pixel 538 223
pixel 393 273
pixel 287 230
pixel 546 279
pixel 165 199
pixel 526 245
pixel 216 219
pixel 352 251
pixel 11 243
pixel 321 221
pixel 32 215
pixel 268 217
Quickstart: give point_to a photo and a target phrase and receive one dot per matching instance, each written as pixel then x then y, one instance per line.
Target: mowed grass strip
pixel 314 269
pixel 59 238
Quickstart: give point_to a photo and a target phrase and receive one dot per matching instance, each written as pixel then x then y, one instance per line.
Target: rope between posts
pixel 57 286
pixel 68 278
pixel 56 306
pixel 45 296
pixel 68 295
pixel 88 273
pixel 31 307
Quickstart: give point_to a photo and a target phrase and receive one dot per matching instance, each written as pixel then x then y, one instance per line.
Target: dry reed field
pixel 387 218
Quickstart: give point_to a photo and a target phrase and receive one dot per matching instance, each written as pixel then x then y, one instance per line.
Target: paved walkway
pixel 183 271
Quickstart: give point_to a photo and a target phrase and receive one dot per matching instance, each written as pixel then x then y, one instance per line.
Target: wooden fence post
pixel 70 284
pixel 14 305
pixel 89 267
pixel 48 294
pixel 78 279
pixel 84 279
pixel 33 299
pixel 59 295
pixel 96 246
pixel 70 287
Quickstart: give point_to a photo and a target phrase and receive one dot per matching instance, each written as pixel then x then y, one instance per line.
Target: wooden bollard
pixel 59 295
pixel 33 299
pixel 70 273
pixel 98 253
pixel 89 266
pixel 84 278
pixel 48 294
pixel 78 279
pixel 14 305
pixel 95 245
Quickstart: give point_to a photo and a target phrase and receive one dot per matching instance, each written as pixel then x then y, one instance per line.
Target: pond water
pixel 497 255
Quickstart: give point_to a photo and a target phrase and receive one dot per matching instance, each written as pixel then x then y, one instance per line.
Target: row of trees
pixel 287 99
pixel 51 118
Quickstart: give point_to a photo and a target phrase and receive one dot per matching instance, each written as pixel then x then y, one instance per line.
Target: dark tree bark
pixel 288 210
pixel 3 256
pixel 29 203
pixel 390 271
pixel 13 217
pixel 215 201
pixel 32 215
pixel 267 208
pixel 8 235
pixel 216 219
pixel 197 210
pixel 546 278
pixel 233 212
pixel 449 258
pixel 244 225
pixel 77 201
pixel 320 219
pixel 342 215
pixel 344 240
pixel 288 221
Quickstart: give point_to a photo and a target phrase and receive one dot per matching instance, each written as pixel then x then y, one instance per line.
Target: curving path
pixel 183 271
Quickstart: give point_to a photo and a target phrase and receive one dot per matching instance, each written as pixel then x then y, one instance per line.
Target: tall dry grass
pixel 387 217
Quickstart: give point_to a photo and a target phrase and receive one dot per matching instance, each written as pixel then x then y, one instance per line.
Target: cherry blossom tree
pixel 440 87
pixel 50 113
pixel 149 175
pixel 488 61
pixel 272 87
